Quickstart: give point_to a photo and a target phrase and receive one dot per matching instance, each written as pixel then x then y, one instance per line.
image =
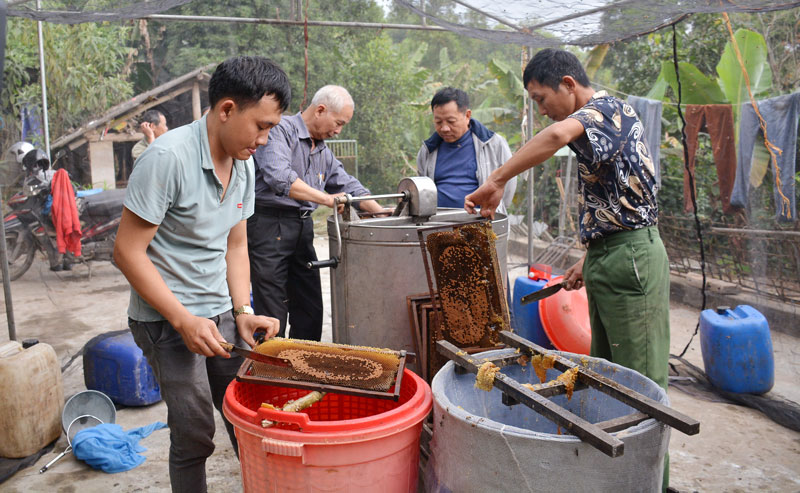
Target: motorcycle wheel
pixel 20 250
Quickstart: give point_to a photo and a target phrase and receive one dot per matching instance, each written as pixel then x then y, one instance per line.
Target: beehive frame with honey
pixel 469 284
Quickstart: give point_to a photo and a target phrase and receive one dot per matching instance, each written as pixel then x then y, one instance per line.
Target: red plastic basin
pixel 340 444
pixel 565 319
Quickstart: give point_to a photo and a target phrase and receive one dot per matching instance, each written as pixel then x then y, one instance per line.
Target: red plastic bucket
pixel 565 319
pixel 342 443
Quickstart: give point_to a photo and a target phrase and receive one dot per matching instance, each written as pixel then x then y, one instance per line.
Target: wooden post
pixel 196 110
pixel 101 163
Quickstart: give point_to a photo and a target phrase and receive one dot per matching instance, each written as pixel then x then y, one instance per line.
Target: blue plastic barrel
pixel 114 365
pixel 527 322
pixel 737 349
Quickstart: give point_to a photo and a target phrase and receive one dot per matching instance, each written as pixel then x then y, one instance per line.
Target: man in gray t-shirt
pixel 182 245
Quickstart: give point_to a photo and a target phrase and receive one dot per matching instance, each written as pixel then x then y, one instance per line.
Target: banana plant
pixel 730 85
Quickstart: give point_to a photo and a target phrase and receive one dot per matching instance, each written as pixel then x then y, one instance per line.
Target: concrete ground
pixel 738 449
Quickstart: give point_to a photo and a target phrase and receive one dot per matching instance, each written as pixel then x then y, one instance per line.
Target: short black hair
pixel 152 116
pixel 444 96
pixel 549 66
pixel 247 79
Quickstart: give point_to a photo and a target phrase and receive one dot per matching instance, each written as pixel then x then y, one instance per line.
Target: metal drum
pixel 381 264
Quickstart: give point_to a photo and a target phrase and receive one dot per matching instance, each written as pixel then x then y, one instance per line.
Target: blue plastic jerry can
pixel 116 366
pixel 527 322
pixel 737 349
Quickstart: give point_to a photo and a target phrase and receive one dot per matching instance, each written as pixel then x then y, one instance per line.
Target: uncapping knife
pixel 542 293
pixel 261 358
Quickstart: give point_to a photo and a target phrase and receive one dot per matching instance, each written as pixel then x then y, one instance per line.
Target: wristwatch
pixel 242 310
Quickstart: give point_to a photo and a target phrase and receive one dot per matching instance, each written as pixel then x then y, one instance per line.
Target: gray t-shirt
pixel 174 185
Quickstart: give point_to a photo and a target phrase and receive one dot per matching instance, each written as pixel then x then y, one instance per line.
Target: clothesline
pixel 733 159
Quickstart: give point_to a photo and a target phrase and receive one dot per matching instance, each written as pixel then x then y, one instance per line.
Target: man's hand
pixel 331 201
pixel 487 197
pixel 147 130
pixel 248 324
pixel 200 335
pixel 573 278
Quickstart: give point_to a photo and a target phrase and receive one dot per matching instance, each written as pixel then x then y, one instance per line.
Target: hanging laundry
pixel 717 120
pixel 781 115
pixel 65 214
pixel 649 112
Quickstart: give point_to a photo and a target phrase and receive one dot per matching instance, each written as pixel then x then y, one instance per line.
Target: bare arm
pixel 130 254
pixel 302 191
pixel 537 150
pixel 370 206
pixel 238 266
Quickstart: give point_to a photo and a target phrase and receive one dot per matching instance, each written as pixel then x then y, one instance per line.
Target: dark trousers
pixel 280 244
pixel 192 386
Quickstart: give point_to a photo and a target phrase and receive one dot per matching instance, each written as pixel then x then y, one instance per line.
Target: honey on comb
pixel 331 364
pixel 470 290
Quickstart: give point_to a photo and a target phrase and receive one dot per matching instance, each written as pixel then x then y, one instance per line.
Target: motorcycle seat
pixel 105 204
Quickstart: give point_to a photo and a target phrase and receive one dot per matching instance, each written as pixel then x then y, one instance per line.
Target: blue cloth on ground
pixel 111 449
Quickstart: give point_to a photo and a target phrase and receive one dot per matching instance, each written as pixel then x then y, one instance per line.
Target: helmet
pixel 19 150
pixel 36 159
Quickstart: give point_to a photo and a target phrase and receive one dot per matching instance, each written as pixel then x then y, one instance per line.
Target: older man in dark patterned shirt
pixel 625 269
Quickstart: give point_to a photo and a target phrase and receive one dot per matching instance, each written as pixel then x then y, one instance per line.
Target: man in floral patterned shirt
pixel 625 269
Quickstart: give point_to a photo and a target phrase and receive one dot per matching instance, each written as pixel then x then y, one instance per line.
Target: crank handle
pixel 321 264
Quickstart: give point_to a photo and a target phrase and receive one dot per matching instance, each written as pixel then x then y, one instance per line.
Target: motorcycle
pixel 29 227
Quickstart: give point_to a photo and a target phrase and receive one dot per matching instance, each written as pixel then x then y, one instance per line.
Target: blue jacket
pixel 491 151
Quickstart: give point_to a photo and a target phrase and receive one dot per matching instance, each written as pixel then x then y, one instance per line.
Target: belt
pixel 283 211
pixel 621 237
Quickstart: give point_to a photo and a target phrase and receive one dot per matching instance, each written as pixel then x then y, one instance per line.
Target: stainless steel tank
pixel 381 263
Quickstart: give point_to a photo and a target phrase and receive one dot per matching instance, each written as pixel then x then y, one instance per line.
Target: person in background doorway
pixel 295 173
pixel 182 245
pixel 153 126
pixel 462 152
pixel 625 268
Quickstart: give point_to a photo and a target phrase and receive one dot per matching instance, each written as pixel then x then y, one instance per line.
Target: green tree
pixel 86 73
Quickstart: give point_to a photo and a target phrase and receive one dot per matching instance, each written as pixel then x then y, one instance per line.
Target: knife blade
pixel 261 358
pixel 542 293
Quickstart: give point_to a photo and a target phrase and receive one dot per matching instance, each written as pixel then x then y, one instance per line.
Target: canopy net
pixel 585 23
pixel 540 23
pixel 78 11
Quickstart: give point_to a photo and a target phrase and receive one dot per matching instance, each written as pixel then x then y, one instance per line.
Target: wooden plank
pixel 123 137
pixel 131 103
pixel 617 424
pixel 640 402
pixel 572 423
pixel 149 104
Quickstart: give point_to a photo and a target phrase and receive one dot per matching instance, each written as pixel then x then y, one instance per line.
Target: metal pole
pixel 529 102
pixel 44 85
pixel 287 22
pixel 12 329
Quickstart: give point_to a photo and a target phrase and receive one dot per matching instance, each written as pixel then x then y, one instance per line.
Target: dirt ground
pixel 738 449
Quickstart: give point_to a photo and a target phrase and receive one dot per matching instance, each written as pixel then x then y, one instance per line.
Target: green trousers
pixel 627 283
